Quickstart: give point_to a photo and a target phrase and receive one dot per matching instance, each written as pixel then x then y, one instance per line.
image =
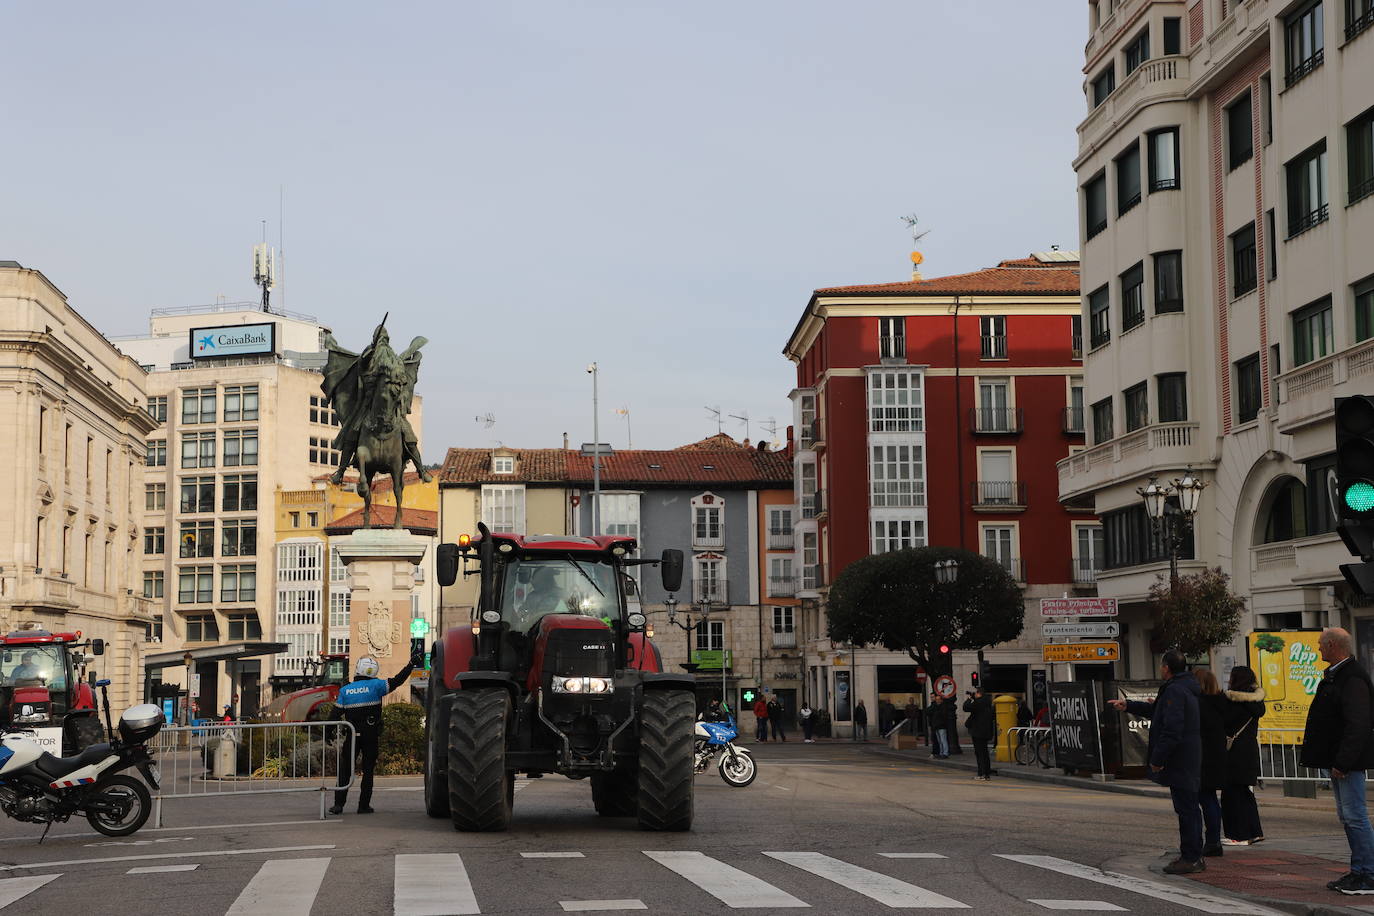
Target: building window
pixel 806 418
pixel 1133 298
pixel 298 607
pixel 1364 309
pixel 1271 245
pixel 195 584
pixel 240 447
pixel 1249 395
pixel 1243 279
pixel 338 569
pixel 783 620
pixel 1168 267
pixel 156 453
pixel 197 405
pixel 153 583
pixel 1303 41
pixel 244 626
pixel 300 561
pixel 1130 540
pixel 1321 474
pixel 202 628
pixel 1095 205
pixel 710 579
pixel 1173 35
pixel 197 494
pixel 1099 317
pixel 1171 390
pixel 898 534
pixel 1312 335
pixel 197 539
pixel 157 408
pixel 340 604
pixel 780 528
pixel 1359 15
pixel 322 413
pixel 996 484
pixel 1073 415
pixel 892 338
pixel 155 497
pixel 809 506
pixel 1138 51
pixel 322 451
pixel 240 492
pixel 239 538
pixel 1307 206
pixel 994 412
pixel 240 403
pixel 1128 179
pixel 1240 140
pixel 711 638
pixel 1164 159
pixel 1102 421
pixel 708 528
pixel 1104 84
pixel 811 562
pixel 1076 336
pixel 503 464
pixel 620 514
pixel 896 475
pixel 1137 401
pixel 1088 553
pixel 782 583
pixel 997 545
pixel 994 336
pixel 154 541
pixel 198 450
pixel 238 583
pixel 503 508
pixel 1359 139
pixel 894 401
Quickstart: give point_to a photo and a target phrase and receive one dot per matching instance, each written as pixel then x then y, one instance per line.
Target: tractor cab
pixel 41 688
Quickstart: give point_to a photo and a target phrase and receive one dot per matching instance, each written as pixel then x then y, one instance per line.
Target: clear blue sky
pixel 654 186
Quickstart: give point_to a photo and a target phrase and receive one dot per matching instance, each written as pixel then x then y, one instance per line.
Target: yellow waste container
pixel 1005 707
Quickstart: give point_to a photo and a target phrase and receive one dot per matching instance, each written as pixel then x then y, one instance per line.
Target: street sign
pixel 1078 607
pixel 944 686
pixel 1082 652
pixel 1095 630
pixel 195 685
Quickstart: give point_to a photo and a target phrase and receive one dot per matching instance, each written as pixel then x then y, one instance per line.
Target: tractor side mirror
pixel 97 647
pixel 446 564
pixel 671 568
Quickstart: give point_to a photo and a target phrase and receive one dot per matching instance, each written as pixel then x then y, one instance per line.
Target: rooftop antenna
pixel 916 256
pixel 770 426
pixel 629 434
pixel 488 420
pixel 264 268
pixel 743 417
pixel 715 412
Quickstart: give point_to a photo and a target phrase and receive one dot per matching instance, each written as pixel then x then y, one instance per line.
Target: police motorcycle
pixel 39 788
pixel 715 735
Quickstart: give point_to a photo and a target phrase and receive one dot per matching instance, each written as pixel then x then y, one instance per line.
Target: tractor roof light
pixel 506 547
pixel 464 540
pixel 491 616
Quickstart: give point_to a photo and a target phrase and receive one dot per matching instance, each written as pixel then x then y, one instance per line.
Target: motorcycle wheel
pixel 126 794
pixel 738 770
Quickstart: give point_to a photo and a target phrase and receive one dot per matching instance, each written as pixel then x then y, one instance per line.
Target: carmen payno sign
pixel 233 340
pixel 1074 709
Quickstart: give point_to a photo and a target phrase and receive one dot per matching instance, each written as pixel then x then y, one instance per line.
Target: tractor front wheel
pixel 666 737
pixel 480 788
pixel 436 741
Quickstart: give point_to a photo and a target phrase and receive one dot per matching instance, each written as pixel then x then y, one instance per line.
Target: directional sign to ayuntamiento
pixel 1078 607
pixel 1092 630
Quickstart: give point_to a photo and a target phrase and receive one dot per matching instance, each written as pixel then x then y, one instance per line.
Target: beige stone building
pixel 1226 171
pixel 71 413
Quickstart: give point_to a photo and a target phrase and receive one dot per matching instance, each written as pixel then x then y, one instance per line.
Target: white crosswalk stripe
pixel 1081 906
pixel 1173 893
pixel 874 885
pixel 12 889
pixel 433 885
pixel 283 887
pixel 732 887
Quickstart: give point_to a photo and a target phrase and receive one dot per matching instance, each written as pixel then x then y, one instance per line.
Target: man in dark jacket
pixel 1338 739
pixel 980 726
pixel 1175 753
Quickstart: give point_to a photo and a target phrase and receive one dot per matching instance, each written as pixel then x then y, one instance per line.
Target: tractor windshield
pixel 534 588
pixel 33 666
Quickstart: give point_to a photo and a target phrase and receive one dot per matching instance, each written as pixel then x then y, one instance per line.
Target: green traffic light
pixel 1359 496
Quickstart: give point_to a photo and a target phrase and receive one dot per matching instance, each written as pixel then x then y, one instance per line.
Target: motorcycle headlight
pixel 32 713
pixel 589 685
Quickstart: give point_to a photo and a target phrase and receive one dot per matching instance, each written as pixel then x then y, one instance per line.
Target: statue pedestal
pixel 381 567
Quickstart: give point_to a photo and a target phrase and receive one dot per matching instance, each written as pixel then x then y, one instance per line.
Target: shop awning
pixel 229 653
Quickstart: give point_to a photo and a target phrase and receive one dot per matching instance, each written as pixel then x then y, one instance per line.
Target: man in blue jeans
pixel 1338 739
pixel 1175 753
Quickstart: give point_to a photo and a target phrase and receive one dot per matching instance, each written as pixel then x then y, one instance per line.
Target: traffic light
pixel 1355 487
pixel 974 680
pixel 944 649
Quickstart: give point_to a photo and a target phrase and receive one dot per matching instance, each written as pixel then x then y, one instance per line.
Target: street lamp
pixel 946 571
pixel 596 452
pixel 187 659
pixel 703 610
pixel 1173 523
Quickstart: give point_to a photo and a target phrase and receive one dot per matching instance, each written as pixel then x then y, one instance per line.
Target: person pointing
pixel 360 701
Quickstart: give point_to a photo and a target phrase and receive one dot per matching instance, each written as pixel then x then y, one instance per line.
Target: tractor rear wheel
pixel 82 732
pixel 436 741
pixel 480 788
pixel 616 794
pixel 665 759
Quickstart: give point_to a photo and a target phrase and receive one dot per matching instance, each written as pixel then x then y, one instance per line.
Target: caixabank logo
pixel 236 340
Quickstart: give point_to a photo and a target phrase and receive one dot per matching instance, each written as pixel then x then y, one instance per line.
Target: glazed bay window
pixel 1095 205
pixel 1128 179
pixel 620 515
pixel 811 562
pixel 809 509
pixel 993 336
pixel 806 416
pixel 503 508
pixel 891 338
pixel 340 605
pixel 1240 140
pixel 898 534
pixel 240 492
pixel 195 584
pixel 1364 309
pixel 1168 267
pixel 1307 205
pixel 240 403
pixel 1102 421
pixel 240 448
pixel 1103 85
pixel 1243 278
pixel 1303 41
pixel 239 538
pixel 198 450
pixel 197 539
pixel 896 476
pixel 1138 51
pixel 1359 15
pixel 1312 333
pixel 197 405
pixel 197 494
pixel 1171 390
pixel 1164 161
pixel 1249 394
pixel 202 628
pixel 1137 401
pixel 238 582
pixel 1359 140
pixel 895 403
pixel 1133 298
pixel 1099 317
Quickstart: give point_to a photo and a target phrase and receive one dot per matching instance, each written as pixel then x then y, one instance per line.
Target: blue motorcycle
pixel 714 740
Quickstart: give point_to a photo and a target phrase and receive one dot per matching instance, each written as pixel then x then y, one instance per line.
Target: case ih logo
pixel 585 648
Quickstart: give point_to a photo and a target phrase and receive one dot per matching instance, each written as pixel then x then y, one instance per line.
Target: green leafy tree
pixel 894 600
pixel 1199 613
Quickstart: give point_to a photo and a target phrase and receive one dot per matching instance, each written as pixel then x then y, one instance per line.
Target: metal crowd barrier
pixel 231 758
pixel 1279 751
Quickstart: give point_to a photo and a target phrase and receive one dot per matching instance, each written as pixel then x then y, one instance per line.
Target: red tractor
pixel 310 704
pixel 41 689
pixel 555 674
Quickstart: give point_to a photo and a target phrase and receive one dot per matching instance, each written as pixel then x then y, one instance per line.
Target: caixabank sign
pixel 233 340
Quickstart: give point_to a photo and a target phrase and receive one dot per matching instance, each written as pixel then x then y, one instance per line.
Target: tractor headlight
pixel 491 616
pixel 589 685
pixel 637 620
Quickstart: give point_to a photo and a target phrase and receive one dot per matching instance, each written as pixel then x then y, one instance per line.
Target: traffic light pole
pixel 1355 488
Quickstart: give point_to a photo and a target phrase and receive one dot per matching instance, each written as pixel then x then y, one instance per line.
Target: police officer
pixel 360 701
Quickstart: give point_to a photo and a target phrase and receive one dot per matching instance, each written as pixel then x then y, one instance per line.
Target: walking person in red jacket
pixel 761 718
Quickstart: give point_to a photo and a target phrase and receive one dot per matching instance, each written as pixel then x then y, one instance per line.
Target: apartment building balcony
pixel 711 537
pixel 1072 421
pixel 997 421
pixel 1015 566
pixel 999 495
pixel 1306 393
pixel 892 347
pixel 818 435
pixel 1161 447
pixel 716 591
pixel 1085 570
pixel 781 540
pixel 810 505
pixel 812 578
pixel 782 586
pixel 992 346
pixel 785 639
pixel 1154 80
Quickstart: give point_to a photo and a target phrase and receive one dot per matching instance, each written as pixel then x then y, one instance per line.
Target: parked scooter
pixel 714 740
pixel 39 788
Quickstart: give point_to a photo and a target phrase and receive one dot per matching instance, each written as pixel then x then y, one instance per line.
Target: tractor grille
pixel 580 652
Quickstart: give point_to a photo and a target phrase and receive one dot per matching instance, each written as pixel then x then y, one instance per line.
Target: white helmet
pixel 367 667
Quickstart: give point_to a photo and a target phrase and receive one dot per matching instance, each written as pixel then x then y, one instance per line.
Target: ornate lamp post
pixel 1173 523
pixel 703 611
pixel 188 658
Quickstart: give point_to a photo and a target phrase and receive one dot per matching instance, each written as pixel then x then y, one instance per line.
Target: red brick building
pixel 932 412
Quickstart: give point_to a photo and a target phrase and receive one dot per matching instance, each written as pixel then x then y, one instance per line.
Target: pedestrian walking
pixel 980 725
pixel 807 716
pixel 761 719
pixel 861 721
pixel 1212 776
pixel 1240 820
pixel 1338 739
pixel 775 717
pixel 360 701
pixel 1175 754
pixel 938 718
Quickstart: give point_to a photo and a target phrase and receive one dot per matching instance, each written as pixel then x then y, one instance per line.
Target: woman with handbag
pixel 1243 709
pixel 1211 718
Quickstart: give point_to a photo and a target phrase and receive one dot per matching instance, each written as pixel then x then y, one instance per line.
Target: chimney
pixel 790 440
pixel 916 259
pixel 565 442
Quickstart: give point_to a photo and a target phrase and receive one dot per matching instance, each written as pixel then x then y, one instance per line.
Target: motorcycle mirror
pixel 98 646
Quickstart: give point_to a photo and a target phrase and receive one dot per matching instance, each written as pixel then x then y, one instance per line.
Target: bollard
pixel 1005 706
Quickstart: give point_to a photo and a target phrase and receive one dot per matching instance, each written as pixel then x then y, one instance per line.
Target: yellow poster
pixel 1289 669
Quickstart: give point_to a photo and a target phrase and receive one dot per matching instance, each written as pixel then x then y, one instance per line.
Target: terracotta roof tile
pixel 711 443
pixel 716 460
pixel 419 521
pixel 992 281
pixel 473 465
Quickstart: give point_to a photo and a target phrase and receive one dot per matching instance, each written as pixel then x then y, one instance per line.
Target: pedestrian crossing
pixel 441 884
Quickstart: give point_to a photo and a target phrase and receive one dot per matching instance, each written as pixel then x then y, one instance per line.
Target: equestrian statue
pixel 371 392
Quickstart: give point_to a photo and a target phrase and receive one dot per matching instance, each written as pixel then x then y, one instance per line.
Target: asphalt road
pixel 833 828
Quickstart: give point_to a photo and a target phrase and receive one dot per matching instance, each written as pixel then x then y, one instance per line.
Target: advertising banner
pixel 1289 669
pixel 233 340
pixel 842 697
pixel 1135 736
pixel 1075 722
